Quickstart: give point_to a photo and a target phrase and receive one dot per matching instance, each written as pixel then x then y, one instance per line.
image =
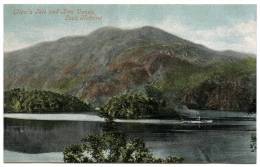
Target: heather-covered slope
pixel 109 61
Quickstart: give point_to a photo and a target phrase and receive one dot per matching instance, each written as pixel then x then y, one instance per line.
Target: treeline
pixel 39 101
pixel 148 103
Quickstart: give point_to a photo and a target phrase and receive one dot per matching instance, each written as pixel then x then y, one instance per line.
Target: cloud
pixel 11 42
pixel 238 37
pixel 18 40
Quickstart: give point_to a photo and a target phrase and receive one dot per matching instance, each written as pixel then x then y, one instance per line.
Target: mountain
pixel 110 60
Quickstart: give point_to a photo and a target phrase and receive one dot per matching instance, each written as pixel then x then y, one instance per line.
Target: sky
pixel 220 27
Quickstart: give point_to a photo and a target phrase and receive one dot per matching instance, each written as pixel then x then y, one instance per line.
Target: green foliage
pixel 156 94
pixel 190 76
pixel 112 147
pixel 129 106
pixel 35 101
pixel 222 86
pixel 66 84
pixel 230 86
pixel 183 76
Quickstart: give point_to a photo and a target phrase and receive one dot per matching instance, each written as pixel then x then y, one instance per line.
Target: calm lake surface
pixel 222 141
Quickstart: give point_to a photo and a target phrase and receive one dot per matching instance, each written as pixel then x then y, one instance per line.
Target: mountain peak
pixel 150 28
pixel 144 29
pixel 106 29
pixel 106 62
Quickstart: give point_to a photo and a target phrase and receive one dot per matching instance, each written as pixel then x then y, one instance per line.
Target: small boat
pixel 198 121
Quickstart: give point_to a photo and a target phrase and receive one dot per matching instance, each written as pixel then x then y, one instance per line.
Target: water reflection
pixel 32 136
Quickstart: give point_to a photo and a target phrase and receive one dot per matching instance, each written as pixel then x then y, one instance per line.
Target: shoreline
pixel 96 118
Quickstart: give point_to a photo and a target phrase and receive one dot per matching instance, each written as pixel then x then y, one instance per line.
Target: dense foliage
pixel 112 147
pixel 131 106
pixel 35 101
pixel 223 86
pixel 230 87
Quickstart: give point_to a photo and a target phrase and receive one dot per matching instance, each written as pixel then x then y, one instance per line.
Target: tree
pixel 112 147
pixel 129 106
pixel 155 94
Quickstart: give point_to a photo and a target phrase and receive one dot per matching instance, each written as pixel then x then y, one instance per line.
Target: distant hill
pixel 110 60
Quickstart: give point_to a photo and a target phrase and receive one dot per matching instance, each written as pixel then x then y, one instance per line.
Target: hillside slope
pixel 109 61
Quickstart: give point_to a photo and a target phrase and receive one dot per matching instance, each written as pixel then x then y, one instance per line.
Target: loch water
pixel 221 141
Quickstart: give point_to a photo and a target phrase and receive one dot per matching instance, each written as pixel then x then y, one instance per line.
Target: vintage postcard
pixel 125 83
